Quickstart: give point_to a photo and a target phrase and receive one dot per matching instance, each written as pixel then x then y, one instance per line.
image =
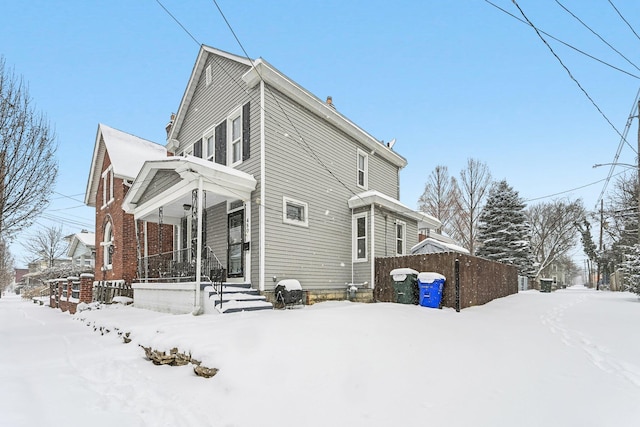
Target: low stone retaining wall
pixel 311 296
pixel 173 358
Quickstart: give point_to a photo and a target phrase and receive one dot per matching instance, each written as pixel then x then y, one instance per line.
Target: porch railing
pixel 179 266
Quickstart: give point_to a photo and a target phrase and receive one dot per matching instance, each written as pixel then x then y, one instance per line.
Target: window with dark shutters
pixel 246 131
pixel 221 143
pixel 197 148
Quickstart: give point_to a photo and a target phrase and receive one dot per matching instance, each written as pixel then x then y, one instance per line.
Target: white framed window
pixel 234 133
pixel 295 212
pixel 363 169
pixel 209 146
pixel 107 186
pixel 401 238
pixel 208 75
pixel 107 247
pixel 234 205
pixel 360 241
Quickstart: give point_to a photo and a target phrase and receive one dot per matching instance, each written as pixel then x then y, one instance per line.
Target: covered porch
pixel 195 220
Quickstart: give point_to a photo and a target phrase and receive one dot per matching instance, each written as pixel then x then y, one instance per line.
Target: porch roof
pixel 373 197
pixel 151 190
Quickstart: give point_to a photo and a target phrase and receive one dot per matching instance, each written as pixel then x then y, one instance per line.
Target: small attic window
pixel 208 76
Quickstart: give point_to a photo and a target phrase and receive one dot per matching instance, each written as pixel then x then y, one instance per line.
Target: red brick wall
pixel 64 300
pixel 125 253
pixel 86 288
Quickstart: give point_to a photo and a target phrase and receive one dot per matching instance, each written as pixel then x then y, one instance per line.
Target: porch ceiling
pixel 219 182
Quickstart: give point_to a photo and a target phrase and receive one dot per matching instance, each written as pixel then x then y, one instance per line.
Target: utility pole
pixel 600 248
pixel 638 173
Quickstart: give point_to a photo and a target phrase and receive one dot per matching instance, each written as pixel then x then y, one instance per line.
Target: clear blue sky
pixel 448 80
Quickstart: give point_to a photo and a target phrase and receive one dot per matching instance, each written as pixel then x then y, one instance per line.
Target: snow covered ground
pixel 569 358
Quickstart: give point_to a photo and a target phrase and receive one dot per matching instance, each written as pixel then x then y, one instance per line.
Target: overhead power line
pixel 597 35
pixel 625 21
pixel 178 22
pixel 565 43
pixel 632 113
pixel 571 190
pixel 306 147
pixel 571 75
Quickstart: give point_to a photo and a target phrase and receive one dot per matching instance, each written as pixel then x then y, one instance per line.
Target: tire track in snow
pixel 597 354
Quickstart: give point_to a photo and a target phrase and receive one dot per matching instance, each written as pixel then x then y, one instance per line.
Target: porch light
pixel 186 207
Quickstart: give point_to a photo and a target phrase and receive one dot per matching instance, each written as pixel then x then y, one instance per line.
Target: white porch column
pixel 197 309
pixel 247 239
pixel 373 247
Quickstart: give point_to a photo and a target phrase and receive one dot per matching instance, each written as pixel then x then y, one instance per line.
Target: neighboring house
pixel 117 159
pixel 431 245
pixel 82 250
pixel 267 180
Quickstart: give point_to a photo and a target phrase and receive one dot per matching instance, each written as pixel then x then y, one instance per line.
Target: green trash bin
pixel 405 285
pixel 545 285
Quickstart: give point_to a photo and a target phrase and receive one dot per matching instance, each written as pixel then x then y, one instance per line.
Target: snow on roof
pixel 129 152
pixel 370 197
pixel 126 152
pixel 431 245
pixel 87 239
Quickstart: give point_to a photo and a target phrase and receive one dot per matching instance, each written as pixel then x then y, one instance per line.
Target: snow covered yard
pixel 569 358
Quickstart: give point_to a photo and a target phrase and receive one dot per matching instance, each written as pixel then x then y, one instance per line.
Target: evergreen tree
pixel 503 229
pixel 631 267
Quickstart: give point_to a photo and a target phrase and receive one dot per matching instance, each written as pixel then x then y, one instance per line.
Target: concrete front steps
pixel 237 297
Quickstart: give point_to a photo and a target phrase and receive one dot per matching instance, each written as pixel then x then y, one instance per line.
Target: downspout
pixel 262 232
pixel 353 244
pixel 373 244
pixel 197 308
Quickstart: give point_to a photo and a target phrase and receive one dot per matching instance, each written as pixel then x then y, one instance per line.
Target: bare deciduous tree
pixel 7 269
pixel 473 188
pixel 28 167
pixel 46 245
pixel 440 195
pixel 553 230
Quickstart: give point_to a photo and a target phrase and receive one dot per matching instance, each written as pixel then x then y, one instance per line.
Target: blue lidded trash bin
pixel 430 286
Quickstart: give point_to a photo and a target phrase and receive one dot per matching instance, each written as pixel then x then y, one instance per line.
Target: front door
pixel 235 258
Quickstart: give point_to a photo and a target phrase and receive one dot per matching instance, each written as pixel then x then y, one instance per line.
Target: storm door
pixel 235 258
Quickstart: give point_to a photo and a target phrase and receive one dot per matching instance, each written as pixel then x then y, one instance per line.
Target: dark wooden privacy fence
pixel 480 280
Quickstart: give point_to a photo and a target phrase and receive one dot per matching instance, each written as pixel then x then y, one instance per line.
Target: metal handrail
pixel 178 265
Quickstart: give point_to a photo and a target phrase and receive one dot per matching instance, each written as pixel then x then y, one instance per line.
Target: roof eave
pixel 198 66
pixel 96 162
pixel 369 198
pixel 262 70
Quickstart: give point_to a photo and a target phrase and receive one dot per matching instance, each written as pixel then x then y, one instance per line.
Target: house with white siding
pixel 82 249
pixel 266 182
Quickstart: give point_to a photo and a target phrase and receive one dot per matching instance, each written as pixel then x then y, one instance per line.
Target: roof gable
pixel 127 154
pixel 261 70
pixel 88 240
pixel 198 68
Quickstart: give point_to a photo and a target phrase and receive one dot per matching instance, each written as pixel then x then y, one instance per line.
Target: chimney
pixel 170 124
pixel 330 102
